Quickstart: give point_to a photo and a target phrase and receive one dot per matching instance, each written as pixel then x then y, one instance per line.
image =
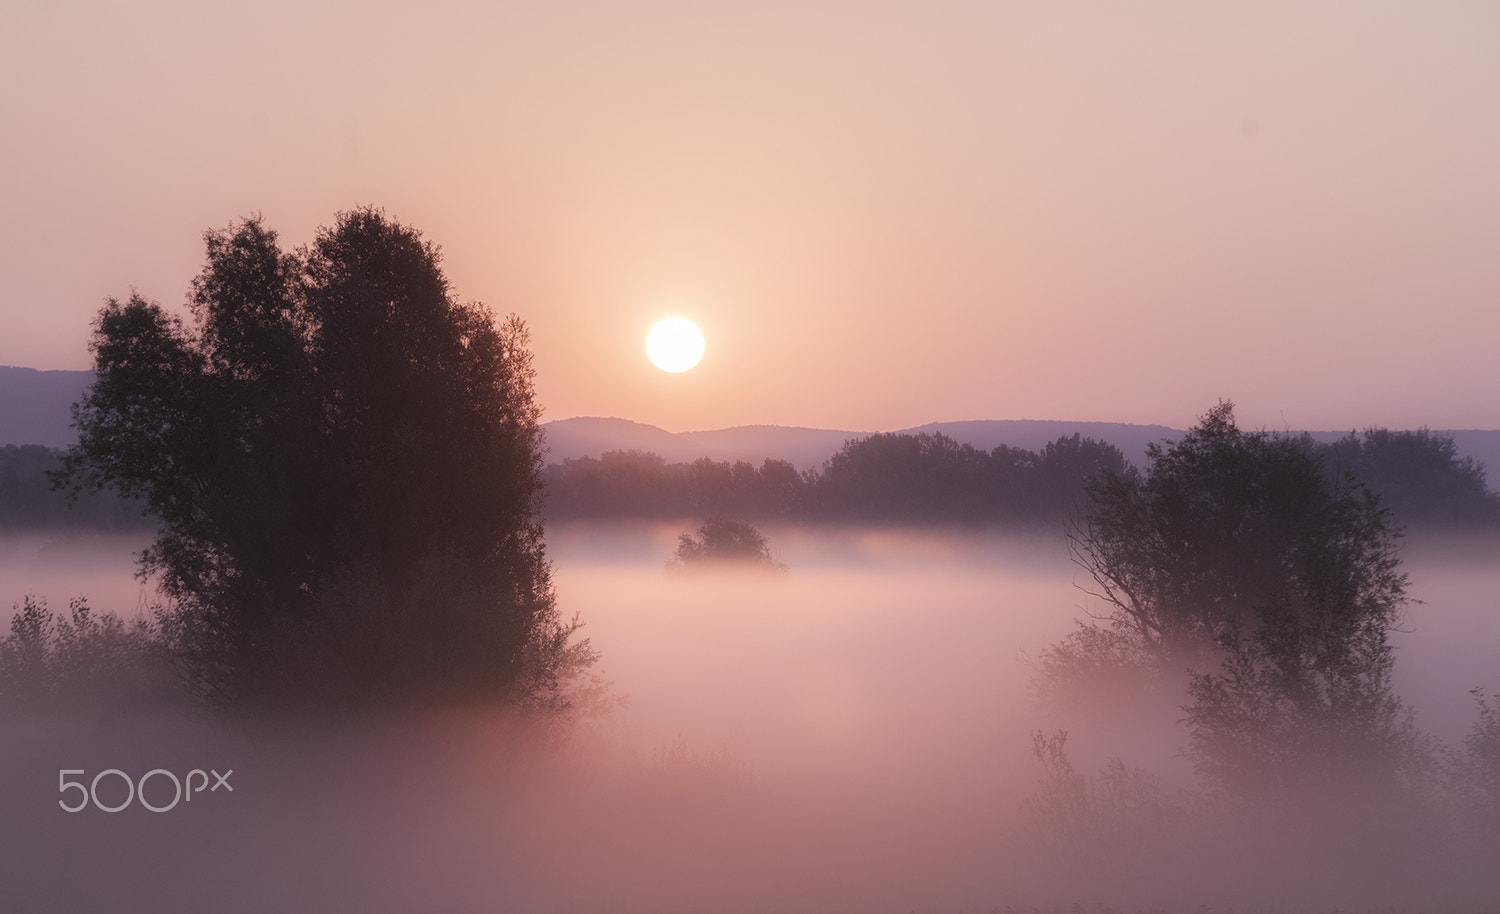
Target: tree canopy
pixel 1236 557
pixel 346 463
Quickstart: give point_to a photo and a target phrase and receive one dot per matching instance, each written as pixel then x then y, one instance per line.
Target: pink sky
pixel 880 214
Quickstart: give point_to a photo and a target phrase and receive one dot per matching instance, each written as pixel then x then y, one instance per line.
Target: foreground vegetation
pixel 344 464
pixel 1247 585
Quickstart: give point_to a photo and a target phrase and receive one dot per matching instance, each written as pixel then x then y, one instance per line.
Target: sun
pixel 674 345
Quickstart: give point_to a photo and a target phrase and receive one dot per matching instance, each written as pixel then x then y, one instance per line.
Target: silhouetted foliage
pixel 346 463
pixel 49 660
pixel 1237 557
pixel 918 478
pixel 1064 468
pixel 1418 476
pixel 620 484
pixel 721 541
pixel 927 478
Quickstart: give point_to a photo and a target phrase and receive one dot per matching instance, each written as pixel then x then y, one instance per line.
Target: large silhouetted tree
pixel 346 463
pixel 1237 558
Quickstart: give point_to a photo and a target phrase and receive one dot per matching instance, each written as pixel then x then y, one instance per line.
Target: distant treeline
pixel 888 478
pixel 930 478
pixel 1418 476
pixel 27 499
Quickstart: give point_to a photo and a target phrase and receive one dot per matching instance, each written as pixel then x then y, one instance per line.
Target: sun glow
pixel 674 345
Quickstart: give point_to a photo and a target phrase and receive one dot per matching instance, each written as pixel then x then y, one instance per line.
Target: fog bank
pixel 852 736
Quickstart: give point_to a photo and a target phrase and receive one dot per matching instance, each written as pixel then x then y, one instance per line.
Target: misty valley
pixel 812 458
pixel 853 735
pixel 303 619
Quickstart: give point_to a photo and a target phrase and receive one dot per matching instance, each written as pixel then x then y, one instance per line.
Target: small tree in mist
pixel 721 542
pixel 1235 558
pixel 346 463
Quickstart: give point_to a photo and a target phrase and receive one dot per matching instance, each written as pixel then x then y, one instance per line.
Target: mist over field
pixel 1009 610
pixel 854 735
pixel 60 566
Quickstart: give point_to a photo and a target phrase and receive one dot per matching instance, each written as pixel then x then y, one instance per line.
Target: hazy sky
pixel 880 214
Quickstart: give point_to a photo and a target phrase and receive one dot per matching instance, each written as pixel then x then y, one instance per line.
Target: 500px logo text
pixel 182 790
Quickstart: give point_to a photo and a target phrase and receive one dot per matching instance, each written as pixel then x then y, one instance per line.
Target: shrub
pixel 50 660
pixel 722 542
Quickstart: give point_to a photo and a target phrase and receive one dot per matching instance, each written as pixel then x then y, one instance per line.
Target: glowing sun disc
pixel 674 345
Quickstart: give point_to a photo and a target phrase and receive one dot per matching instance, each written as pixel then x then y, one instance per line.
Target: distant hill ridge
pixel 35 409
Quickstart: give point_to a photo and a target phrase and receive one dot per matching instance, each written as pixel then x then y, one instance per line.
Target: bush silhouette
pixel 51 660
pixel 723 542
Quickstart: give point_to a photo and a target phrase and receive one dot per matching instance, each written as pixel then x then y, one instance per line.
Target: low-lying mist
pixel 853 735
pixel 62 565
